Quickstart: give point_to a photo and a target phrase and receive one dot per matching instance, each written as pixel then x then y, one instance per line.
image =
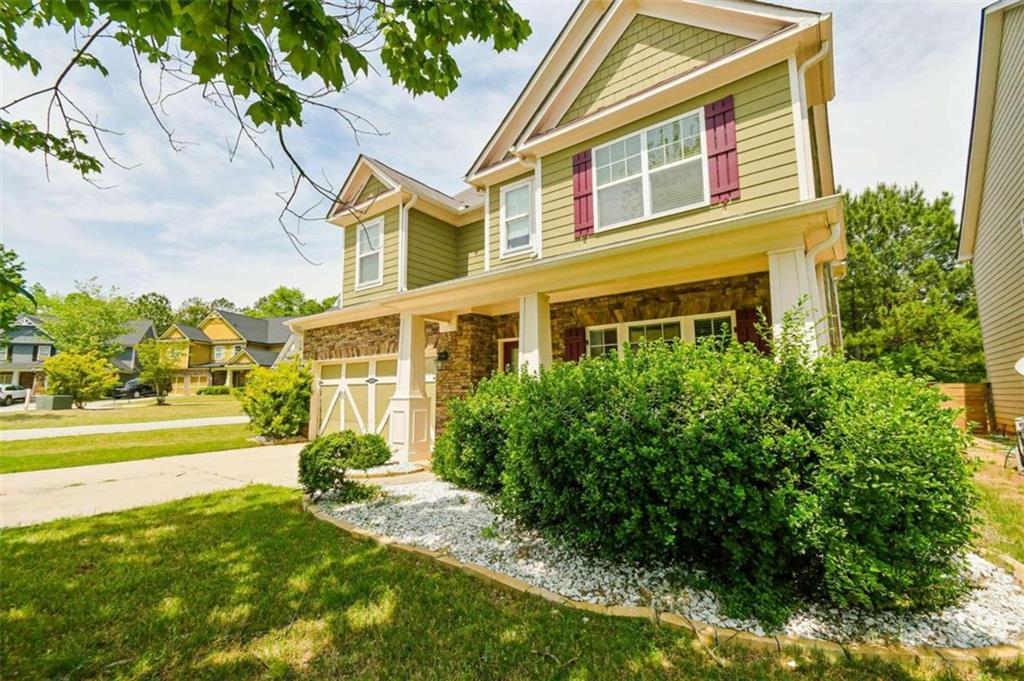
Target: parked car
pixel 133 388
pixel 11 392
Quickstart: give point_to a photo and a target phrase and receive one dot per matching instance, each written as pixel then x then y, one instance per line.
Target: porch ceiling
pixel 722 248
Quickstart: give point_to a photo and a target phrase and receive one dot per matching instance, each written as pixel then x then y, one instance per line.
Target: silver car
pixel 11 392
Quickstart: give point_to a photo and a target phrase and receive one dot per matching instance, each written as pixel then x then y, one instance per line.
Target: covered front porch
pixel 439 340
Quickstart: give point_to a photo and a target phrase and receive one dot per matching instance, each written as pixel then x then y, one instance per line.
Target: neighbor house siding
pixel 219 330
pixel 999 246
pixel 767 165
pixel 469 249
pixel 372 188
pixel 390 269
pixel 432 250
pixel 650 51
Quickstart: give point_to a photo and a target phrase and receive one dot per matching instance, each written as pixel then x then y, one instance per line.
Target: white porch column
pixel 230 381
pixel 409 432
pixel 534 332
pixel 792 286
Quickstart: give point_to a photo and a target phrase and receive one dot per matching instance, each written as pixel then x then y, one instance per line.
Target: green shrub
pixel 84 376
pixel 214 390
pixel 470 451
pixel 277 400
pixel 322 463
pixel 778 478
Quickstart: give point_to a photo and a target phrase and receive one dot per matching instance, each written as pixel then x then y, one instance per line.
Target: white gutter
pixel 834 233
pixel 403 244
pixel 805 131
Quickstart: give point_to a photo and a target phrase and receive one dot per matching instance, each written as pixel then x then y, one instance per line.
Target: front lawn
pixel 83 450
pixel 125 411
pixel 243 584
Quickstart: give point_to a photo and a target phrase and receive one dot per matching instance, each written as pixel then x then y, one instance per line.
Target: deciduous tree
pixel 159 361
pixel 155 307
pixel 84 376
pixel 89 319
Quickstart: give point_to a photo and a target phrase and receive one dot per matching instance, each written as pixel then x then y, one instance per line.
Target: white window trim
pixel 501 350
pixel 645 174
pixel 686 324
pixel 530 247
pixel 218 349
pixel 40 349
pixel 380 261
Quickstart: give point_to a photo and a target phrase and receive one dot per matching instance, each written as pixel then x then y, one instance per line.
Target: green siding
pixel 432 250
pixel 495 227
pixel 767 164
pixel 374 187
pixel 390 270
pixel 650 50
pixel 469 249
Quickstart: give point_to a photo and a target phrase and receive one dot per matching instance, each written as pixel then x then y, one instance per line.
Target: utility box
pixel 53 402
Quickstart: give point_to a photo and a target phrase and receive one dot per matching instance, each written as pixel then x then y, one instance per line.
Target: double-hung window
pixel 369 253
pixel 713 329
pixel 655 171
pixel 614 339
pixel 516 218
pixel 218 353
pixel 42 351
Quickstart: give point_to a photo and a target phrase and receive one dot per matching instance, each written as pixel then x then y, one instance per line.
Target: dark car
pixel 133 388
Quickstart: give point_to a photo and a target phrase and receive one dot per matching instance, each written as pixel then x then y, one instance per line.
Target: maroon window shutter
pixel 746 329
pixel 575 343
pixel 723 163
pixel 582 195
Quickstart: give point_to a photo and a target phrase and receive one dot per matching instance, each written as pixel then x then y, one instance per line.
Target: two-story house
pixel 22 351
pixel 127 360
pixel 224 348
pixel 665 173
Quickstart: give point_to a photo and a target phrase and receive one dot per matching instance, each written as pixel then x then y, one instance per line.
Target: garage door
pixel 356 395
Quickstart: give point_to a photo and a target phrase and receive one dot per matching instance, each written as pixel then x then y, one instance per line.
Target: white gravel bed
pixel 385 470
pixel 441 517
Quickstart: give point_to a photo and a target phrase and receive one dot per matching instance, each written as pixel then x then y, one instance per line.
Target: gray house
pixel 24 347
pixel 127 361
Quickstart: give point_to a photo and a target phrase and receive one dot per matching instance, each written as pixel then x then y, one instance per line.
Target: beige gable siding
pixel 494 235
pixel 767 164
pixel 999 247
pixel 431 250
pixel 373 187
pixel 469 249
pixel 649 51
pixel 390 269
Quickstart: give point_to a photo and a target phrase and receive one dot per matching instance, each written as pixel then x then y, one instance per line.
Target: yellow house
pixel 665 173
pixel 992 219
pixel 224 348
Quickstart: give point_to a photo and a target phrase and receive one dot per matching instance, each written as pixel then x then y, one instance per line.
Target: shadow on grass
pixel 243 584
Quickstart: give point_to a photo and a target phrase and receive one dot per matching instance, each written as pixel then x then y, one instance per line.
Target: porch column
pixel 230 380
pixel 409 432
pixel 534 332
pixel 792 287
pixel 14 379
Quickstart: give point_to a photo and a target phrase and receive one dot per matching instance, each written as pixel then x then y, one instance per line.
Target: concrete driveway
pixel 38 496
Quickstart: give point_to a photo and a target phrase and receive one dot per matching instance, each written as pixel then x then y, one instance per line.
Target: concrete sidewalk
pixel 39 433
pixel 38 496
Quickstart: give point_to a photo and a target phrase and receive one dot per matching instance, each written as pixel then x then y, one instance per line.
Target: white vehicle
pixel 11 392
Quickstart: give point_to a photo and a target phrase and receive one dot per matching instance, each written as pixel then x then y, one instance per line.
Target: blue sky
pixel 195 223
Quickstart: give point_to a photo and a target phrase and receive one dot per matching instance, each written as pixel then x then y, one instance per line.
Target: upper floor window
pixel 5 352
pixel 42 351
pixel 652 172
pixel 369 253
pixel 218 353
pixel 516 218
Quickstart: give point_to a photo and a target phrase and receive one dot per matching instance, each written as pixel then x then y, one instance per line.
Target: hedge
pixel 778 479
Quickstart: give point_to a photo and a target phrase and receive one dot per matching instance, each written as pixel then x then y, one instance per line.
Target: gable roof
pixel 264 330
pixel 592 32
pixel 990 45
pixel 190 332
pixel 137 330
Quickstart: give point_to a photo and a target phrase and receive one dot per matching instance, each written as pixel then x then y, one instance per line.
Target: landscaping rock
pixel 443 518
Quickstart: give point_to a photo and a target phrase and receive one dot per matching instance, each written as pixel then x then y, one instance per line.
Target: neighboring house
pixel 224 348
pixel 22 351
pixel 665 173
pixel 992 218
pixel 127 361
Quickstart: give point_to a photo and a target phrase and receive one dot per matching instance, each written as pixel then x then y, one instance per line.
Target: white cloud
pixel 192 223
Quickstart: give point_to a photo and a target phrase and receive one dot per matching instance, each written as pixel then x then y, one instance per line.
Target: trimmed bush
pixel 777 478
pixel 277 400
pixel 214 390
pixel 322 463
pixel 470 451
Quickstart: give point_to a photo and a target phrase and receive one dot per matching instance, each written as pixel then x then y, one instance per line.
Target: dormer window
pixel 369 253
pixel 516 218
pixel 655 171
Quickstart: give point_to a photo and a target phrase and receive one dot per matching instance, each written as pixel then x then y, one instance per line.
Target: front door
pixel 510 355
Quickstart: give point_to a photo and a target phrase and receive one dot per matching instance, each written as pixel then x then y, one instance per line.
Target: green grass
pixel 1001 503
pixel 125 411
pixel 84 450
pixel 243 584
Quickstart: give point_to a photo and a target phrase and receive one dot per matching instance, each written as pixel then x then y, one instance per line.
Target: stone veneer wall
pixel 473 347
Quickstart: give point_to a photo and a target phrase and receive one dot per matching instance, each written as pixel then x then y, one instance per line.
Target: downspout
pixel 826 46
pixel 403 245
pixel 834 233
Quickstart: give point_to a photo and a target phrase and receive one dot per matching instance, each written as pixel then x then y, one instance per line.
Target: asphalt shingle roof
pixel 269 331
pixel 137 329
pixel 192 333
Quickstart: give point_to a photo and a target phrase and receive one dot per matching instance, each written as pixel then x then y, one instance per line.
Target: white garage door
pixel 356 394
